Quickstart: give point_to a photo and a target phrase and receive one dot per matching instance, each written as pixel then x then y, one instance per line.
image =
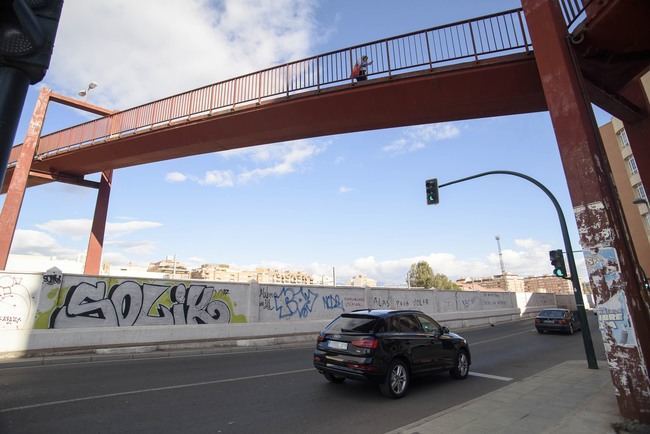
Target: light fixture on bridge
pixel 84 92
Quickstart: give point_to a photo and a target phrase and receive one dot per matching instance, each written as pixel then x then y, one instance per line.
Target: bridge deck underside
pixel 500 86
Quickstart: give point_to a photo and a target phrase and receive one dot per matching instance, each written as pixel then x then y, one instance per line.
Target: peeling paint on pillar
pixel 624 358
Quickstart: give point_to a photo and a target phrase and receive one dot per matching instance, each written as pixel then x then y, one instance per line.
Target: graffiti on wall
pixel 491 299
pixel 294 301
pixel 352 303
pixel 394 302
pixel 333 301
pixel 130 303
pixel 291 302
pixel 15 303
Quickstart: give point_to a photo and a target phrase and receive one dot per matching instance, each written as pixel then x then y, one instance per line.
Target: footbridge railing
pixel 463 41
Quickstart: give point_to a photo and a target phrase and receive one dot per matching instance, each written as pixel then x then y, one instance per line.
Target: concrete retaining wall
pixel 50 311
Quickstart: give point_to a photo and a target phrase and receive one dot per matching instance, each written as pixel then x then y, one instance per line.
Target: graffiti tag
pixel 130 303
pixel 292 301
pixel 333 301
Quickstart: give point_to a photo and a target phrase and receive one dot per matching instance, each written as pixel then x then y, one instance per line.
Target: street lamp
pixel 84 92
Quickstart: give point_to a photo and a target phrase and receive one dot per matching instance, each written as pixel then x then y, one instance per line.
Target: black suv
pixel 388 347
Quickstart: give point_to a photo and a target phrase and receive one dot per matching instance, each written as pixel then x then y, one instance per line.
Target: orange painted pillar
pixel 16 190
pixel 96 240
pixel 623 317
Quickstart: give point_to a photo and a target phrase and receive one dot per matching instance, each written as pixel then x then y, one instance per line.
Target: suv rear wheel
pixel 397 380
pixel 461 366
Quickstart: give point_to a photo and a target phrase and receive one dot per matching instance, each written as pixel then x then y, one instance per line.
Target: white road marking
pixel 154 389
pixel 492 377
pixel 471 344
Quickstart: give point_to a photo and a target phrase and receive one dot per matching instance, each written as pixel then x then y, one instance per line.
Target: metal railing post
pixel 523 30
pixel 426 38
pixel 390 75
pixel 471 35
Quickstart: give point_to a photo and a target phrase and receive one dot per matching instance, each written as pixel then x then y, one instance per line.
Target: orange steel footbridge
pixel 475 68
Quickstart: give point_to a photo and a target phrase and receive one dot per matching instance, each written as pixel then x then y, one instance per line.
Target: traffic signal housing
pixel 432 191
pixel 557 261
pixel 27 32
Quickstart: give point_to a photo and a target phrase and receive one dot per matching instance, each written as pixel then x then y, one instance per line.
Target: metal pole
pixel 586 333
pixel 13 90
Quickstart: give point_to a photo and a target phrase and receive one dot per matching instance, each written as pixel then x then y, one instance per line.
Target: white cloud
pixel 175 177
pixel 343 189
pixel 80 228
pixel 218 178
pixel 30 242
pixel 134 247
pixel 144 50
pixel 74 228
pixel 421 136
pixel 531 259
pixel 277 159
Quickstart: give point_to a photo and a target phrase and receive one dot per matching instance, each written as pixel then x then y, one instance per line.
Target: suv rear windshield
pixel 552 313
pixel 347 323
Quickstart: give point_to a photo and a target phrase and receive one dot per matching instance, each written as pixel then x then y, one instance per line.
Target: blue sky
pixel 353 201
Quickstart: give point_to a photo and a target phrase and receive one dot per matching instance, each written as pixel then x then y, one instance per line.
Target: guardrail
pixel 463 41
pixel 572 10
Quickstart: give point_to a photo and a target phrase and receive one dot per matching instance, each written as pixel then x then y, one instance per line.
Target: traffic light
pixel 557 261
pixel 432 191
pixel 27 32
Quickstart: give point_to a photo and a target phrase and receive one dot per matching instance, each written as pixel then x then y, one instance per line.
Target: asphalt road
pixel 270 391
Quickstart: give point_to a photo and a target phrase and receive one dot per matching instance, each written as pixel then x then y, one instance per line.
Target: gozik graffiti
pixel 130 303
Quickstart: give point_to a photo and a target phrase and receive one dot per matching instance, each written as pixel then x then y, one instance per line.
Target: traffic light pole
pixel 13 90
pixel 577 291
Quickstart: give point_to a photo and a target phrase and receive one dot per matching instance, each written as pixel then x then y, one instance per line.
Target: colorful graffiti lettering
pixel 292 301
pixel 130 303
pixel 333 301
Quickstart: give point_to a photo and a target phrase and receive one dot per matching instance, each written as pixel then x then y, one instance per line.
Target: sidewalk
pixel 567 398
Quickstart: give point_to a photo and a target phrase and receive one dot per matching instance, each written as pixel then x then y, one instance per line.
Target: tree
pixel 440 281
pixel 421 275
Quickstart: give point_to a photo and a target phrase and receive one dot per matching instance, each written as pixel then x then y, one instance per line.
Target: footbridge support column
pixel 96 240
pixel 16 190
pixel 612 269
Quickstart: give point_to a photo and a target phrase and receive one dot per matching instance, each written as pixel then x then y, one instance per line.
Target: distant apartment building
pixel 224 273
pixel 170 269
pixel 216 272
pixel 362 281
pixel 548 284
pixel 507 282
pixel 631 191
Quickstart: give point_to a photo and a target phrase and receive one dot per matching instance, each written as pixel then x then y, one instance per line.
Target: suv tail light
pixel 320 338
pixel 370 343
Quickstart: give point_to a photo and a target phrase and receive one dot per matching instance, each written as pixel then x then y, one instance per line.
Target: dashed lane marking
pixel 492 377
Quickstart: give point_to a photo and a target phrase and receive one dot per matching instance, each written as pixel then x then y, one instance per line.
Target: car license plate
pixel 337 345
pixel 549 321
